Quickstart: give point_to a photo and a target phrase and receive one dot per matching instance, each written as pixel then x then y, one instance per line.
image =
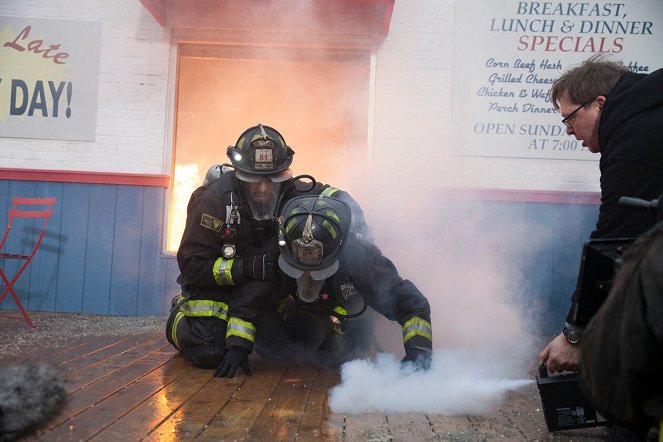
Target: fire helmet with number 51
pixel 312 233
pixel 261 152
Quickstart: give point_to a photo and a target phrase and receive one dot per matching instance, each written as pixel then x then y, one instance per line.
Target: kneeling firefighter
pixel 228 253
pixel 333 276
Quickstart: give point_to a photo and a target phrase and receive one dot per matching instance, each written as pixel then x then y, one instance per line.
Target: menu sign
pixel 507 54
pixel 49 75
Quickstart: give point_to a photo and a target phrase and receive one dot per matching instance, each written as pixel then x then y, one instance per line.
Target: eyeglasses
pixel 568 121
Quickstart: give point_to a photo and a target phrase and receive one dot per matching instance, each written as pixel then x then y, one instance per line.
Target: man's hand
pixel 421 358
pixel 233 358
pixel 560 355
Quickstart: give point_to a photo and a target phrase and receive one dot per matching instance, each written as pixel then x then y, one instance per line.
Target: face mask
pixel 308 290
pixel 262 197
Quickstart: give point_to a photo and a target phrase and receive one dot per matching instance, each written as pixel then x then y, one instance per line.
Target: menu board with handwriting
pixel 507 54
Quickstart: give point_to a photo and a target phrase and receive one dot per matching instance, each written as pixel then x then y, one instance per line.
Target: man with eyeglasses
pixel 618 114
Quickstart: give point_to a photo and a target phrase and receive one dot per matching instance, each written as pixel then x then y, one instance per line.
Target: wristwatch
pixel 573 335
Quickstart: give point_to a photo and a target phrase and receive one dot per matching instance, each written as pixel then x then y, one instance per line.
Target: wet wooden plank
pixel 150 413
pixel 281 417
pixel 75 380
pixel 102 414
pixel 81 347
pixel 454 428
pixel 193 416
pixel 318 423
pixel 113 349
pixel 410 427
pixel 88 396
pixel 237 417
pixel 368 426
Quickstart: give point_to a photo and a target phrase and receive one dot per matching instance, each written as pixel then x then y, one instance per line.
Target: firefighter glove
pixel 257 267
pixel 420 357
pixel 233 358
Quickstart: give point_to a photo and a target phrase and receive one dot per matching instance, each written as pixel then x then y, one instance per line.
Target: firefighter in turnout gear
pixel 228 252
pixel 332 277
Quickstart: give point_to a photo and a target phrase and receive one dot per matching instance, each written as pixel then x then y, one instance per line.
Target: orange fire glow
pixel 187 179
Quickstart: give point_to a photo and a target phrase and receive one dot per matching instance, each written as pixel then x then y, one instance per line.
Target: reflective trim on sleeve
pixel 340 310
pixel 329 191
pixel 221 271
pixel 416 326
pixel 205 307
pixel 173 331
pixel 242 329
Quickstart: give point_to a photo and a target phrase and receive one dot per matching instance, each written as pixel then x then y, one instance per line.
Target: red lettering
pixel 35 46
pixel 16 46
pixel 569 43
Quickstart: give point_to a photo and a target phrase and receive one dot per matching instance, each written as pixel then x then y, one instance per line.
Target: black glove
pixel 233 358
pixel 421 358
pixel 256 267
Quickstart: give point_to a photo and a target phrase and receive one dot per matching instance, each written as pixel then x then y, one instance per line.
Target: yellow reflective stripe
pixel 417 327
pixel 173 331
pixel 332 214
pixel 340 310
pixel 243 329
pixel 221 271
pixel 329 228
pixel 204 308
pixel 329 191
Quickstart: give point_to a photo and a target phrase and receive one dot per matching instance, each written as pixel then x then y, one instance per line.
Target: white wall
pixel 414 91
pixel 413 113
pixel 413 104
pixel 132 97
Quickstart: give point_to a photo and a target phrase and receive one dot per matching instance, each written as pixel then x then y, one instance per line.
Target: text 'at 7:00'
pixel 569 145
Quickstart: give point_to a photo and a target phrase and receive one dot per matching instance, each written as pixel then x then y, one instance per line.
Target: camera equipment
pixel 565 407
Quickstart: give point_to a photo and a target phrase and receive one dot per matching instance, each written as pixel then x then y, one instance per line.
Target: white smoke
pixel 465 255
pixel 457 383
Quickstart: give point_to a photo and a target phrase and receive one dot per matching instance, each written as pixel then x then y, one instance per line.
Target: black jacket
pixel 631 164
pixel 375 279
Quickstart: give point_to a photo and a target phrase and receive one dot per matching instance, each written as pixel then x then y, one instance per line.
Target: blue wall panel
pixel 71 268
pixel 102 252
pixel 151 267
pixel 43 269
pixel 99 248
pixel 126 251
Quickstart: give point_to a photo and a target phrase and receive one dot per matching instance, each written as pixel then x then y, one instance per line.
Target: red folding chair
pixel 16 212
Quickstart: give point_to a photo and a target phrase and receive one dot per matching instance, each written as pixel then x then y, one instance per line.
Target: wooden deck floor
pixel 137 387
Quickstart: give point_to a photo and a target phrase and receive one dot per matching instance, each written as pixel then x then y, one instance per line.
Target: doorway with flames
pixel 318 98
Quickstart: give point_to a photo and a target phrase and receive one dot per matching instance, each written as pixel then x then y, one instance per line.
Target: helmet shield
pixel 260 150
pixel 261 196
pixel 278 177
pixel 313 230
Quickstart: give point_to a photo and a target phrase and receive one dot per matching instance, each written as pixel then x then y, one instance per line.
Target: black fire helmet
pixel 261 152
pixel 312 233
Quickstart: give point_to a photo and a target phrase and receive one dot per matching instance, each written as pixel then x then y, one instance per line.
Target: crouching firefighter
pixel 228 252
pixel 333 276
